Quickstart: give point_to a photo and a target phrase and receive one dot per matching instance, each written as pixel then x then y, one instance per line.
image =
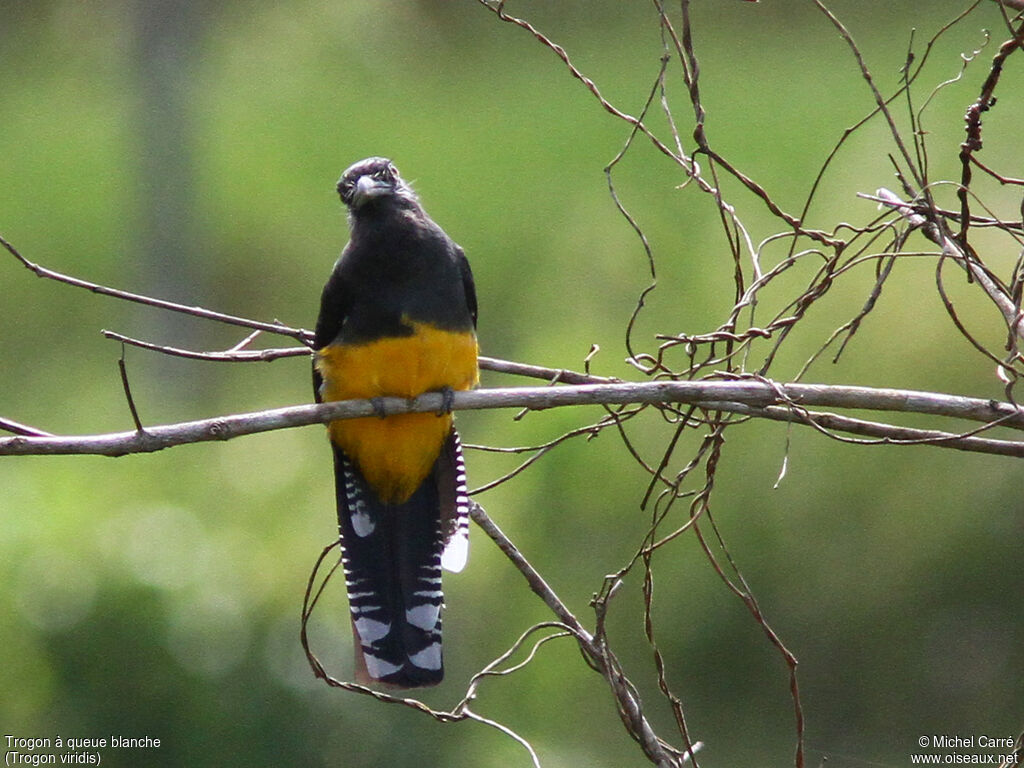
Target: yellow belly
pixel 396 453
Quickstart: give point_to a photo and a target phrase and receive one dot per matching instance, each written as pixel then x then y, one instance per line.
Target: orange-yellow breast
pixel 395 454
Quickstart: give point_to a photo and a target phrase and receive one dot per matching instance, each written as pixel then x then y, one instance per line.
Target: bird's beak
pixel 368 188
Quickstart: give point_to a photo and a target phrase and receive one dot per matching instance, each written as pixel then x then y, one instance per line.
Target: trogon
pixel 397 318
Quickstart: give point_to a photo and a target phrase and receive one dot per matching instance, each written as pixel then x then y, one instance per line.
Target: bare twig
pixel 239 355
pixel 10 425
pixel 533 578
pixel 733 396
pixel 1011 312
pixel 233 355
pixel 973 143
pixel 123 368
pixel 220 317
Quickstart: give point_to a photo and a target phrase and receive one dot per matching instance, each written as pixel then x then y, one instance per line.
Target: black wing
pixel 467 282
pixel 335 302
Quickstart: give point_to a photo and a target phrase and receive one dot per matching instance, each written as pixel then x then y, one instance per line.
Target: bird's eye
pixel 382 175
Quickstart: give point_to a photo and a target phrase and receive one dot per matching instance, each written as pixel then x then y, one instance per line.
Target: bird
pixel 398 318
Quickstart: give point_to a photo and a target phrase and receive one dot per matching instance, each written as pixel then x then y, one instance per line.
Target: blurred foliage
pixel 190 150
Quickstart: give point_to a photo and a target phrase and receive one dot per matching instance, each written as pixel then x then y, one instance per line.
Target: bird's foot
pixel 447 401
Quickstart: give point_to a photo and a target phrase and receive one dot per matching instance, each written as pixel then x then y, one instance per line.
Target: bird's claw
pixel 447 401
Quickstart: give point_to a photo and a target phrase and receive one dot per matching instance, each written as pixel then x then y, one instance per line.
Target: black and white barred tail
pixel 393 555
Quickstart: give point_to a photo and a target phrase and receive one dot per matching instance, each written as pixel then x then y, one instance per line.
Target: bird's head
pixel 373 180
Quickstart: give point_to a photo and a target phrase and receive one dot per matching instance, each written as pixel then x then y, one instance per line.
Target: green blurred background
pixel 189 150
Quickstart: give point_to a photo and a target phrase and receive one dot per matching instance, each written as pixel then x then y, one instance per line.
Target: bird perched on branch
pixel 397 318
